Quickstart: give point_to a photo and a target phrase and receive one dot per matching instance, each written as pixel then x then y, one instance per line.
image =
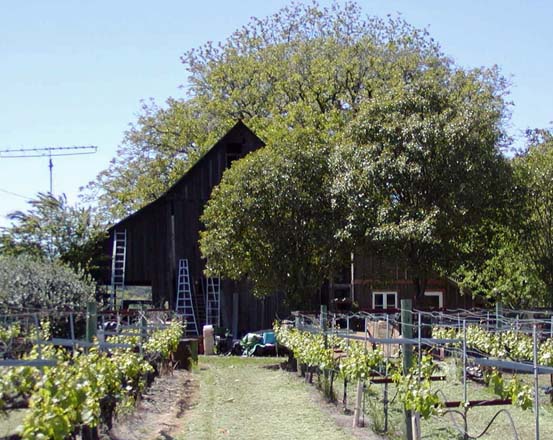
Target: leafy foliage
pixel 513 262
pixel 519 393
pixel 535 172
pixel 360 363
pixel 415 388
pixel 82 388
pixel 69 395
pixel 415 157
pixel 417 161
pixel 299 76
pixel 497 267
pixel 156 151
pixel 52 229
pixel 28 283
pixel 310 349
pixel 423 163
pixel 164 342
pixel 508 344
pixel 271 220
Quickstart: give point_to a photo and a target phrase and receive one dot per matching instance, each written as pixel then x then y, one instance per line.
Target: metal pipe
pixel 465 390
pixel 419 344
pixel 536 384
pixel 385 396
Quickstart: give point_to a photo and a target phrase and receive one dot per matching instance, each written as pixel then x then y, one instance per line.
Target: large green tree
pixel 498 267
pixel 271 221
pixel 511 257
pixel 425 150
pixel 534 171
pixel 417 139
pixel 299 75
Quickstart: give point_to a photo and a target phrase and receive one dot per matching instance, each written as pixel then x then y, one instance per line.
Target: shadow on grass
pixel 285 365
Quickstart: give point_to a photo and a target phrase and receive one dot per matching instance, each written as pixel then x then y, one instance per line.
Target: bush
pixel 27 283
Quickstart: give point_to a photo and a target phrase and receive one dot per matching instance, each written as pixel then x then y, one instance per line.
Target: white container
pixel 209 339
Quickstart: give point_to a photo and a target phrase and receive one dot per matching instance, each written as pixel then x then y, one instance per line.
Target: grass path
pixel 243 398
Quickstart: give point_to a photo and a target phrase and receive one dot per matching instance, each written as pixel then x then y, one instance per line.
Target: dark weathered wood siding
pixel 167 230
pixel 374 273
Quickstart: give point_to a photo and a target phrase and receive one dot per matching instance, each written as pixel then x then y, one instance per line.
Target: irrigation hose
pixel 488 426
pixel 462 431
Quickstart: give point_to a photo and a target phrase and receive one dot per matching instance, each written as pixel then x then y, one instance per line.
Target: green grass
pixel 241 398
pixel 244 398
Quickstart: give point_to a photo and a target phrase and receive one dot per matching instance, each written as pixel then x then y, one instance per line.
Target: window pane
pixel 433 301
pixel 391 300
pixel 378 301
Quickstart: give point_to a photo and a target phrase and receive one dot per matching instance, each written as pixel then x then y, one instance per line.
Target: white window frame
pixel 437 293
pixel 385 301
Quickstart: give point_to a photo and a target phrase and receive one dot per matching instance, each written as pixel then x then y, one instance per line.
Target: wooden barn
pixel 148 246
pixel 157 246
pixel 377 283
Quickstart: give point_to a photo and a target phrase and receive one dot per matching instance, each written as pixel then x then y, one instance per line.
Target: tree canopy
pixel 299 75
pixel 271 221
pixel 534 170
pixel 406 144
pixel 415 160
pixel 426 152
pixel 514 261
pixel 499 268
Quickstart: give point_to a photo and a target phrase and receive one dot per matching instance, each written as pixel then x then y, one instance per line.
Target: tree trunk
pixel 420 287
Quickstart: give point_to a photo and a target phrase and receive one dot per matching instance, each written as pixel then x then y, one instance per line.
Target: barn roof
pixel 239 126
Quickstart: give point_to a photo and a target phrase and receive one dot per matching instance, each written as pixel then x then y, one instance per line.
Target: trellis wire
pixel 25 319
pixel 504 321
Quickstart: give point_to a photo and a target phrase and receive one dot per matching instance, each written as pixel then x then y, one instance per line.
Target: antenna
pixel 47 152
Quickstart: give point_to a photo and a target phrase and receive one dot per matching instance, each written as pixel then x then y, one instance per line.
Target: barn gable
pixel 167 229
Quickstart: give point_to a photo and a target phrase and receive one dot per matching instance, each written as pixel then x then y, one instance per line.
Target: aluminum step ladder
pixel 184 305
pixel 118 263
pixel 213 301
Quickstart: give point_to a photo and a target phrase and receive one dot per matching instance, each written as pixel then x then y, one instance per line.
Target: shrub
pixel 27 283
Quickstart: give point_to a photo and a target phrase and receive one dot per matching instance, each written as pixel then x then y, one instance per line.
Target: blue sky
pixel 74 72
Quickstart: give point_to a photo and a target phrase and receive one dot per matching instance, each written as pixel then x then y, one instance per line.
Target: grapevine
pixel 515 390
pixel 415 388
pixel 83 388
pixel 310 349
pixel 504 345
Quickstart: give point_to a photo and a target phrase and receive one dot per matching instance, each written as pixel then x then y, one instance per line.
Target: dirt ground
pixel 160 413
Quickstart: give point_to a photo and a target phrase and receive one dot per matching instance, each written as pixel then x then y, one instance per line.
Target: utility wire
pixel 14 194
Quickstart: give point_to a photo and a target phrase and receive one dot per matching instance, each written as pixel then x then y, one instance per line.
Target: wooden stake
pixel 358 400
pixel 416 426
pixel 91 320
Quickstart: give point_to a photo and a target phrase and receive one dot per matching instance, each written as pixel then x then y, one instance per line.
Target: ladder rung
pixel 184 303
